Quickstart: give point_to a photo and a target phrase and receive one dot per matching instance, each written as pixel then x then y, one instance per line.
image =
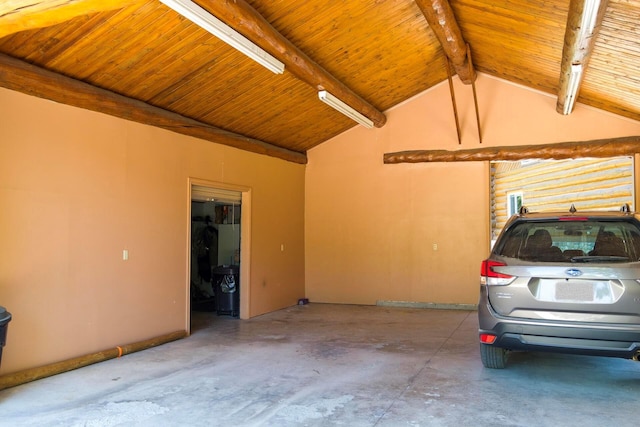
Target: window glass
pixel 514 203
pixel 572 241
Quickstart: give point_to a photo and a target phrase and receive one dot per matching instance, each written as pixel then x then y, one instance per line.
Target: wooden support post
pixel 453 101
pixel 475 96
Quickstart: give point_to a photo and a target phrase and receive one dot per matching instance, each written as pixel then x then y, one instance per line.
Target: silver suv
pixel 562 282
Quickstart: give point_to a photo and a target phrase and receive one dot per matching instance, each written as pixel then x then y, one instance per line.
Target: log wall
pixel 546 185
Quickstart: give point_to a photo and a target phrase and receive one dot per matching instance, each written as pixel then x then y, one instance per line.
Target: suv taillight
pixel 488 276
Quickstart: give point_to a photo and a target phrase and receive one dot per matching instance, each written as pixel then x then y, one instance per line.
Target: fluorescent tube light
pixel 334 102
pixel 589 15
pixel 572 88
pixel 210 23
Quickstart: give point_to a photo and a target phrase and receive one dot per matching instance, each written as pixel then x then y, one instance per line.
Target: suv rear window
pixel 571 241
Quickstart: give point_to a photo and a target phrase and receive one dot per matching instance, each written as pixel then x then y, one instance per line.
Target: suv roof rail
pixel 523 210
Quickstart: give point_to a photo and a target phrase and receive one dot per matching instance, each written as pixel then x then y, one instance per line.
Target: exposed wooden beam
pixel 611 147
pixel 239 15
pixel 583 23
pixel 443 22
pixel 23 77
pixel 20 15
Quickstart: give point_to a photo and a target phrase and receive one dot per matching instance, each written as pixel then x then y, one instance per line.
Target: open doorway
pixel 216 216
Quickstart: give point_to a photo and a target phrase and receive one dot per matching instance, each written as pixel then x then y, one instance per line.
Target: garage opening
pixel 548 185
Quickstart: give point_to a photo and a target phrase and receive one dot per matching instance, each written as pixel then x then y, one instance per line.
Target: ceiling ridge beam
pixel 240 16
pixel 443 23
pixel 609 147
pixel 32 80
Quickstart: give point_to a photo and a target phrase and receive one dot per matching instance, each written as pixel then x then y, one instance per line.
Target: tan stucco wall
pixel 78 187
pixel 370 228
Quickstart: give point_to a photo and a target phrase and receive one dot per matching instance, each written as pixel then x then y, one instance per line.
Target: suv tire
pixel 493 357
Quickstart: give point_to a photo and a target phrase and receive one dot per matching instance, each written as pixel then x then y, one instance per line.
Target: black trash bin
pixel 5 318
pixel 227 289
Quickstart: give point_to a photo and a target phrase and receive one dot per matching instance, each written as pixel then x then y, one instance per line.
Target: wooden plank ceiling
pixel 383 51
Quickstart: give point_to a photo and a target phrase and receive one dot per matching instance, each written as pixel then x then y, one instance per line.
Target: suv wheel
pixel 493 357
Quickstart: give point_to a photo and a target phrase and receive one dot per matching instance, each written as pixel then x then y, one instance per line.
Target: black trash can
pixel 227 289
pixel 5 318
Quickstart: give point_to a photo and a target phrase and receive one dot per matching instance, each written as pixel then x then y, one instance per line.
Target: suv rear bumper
pixel 587 339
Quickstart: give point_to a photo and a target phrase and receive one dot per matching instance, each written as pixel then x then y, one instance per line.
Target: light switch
pixel 435 246
pixel 125 254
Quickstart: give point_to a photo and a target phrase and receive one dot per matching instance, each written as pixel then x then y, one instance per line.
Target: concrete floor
pixel 331 365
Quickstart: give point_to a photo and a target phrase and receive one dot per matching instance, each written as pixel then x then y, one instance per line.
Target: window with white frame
pixel 514 203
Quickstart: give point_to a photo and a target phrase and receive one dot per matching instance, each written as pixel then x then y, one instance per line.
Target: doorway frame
pixel 245 245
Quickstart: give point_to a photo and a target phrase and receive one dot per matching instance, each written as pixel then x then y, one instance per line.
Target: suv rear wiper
pixel 599 258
